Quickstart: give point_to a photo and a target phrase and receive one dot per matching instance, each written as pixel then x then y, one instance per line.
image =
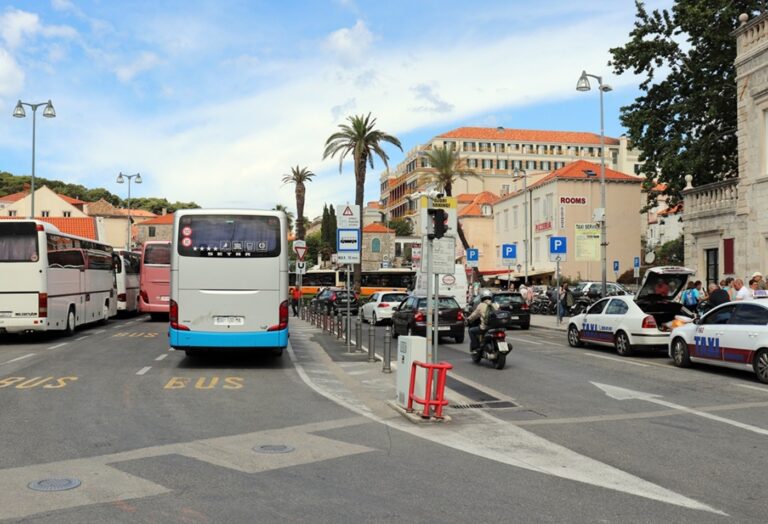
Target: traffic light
pixel 436 225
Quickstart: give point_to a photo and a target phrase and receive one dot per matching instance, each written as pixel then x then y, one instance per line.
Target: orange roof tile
pixel 475 208
pixel 70 200
pixel 670 210
pixel 160 220
pixel 373 204
pixel 135 212
pixel 578 171
pixel 377 227
pixel 465 198
pixel 14 197
pixel 528 135
pixel 79 226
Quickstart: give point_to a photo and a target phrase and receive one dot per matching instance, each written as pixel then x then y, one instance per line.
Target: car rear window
pixel 504 300
pixel 394 297
pixel 443 303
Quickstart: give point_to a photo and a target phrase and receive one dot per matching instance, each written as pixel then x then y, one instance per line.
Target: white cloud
pixel 63 5
pixel 144 62
pixel 15 25
pixel 436 104
pixel 350 44
pixel 11 75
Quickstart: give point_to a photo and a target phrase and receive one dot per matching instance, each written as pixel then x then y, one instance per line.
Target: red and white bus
pixel 52 281
pixel 155 278
pixel 127 267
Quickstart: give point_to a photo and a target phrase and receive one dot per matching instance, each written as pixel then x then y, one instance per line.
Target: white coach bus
pixel 127 267
pixel 52 281
pixel 229 280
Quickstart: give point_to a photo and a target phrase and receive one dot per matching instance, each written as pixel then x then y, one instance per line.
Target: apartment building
pixel 494 154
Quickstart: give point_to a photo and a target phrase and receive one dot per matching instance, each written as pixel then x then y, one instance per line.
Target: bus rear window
pixel 229 236
pixel 158 254
pixel 18 242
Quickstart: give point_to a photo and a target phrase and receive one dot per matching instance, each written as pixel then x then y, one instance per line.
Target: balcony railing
pixel 714 198
pixel 751 34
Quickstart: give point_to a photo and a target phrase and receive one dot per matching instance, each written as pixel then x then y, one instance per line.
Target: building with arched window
pixel 378 247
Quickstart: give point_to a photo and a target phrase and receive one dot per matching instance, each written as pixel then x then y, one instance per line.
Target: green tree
pixel 332 229
pixel 363 142
pixel 288 214
pixel 447 166
pixel 325 225
pixel 314 244
pixel 685 122
pixel 299 176
pixel 671 253
pixel 402 227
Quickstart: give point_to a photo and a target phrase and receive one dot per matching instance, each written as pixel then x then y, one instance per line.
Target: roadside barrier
pixel 387 357
pixel 428 402
pixel 358 333
pixel 371 342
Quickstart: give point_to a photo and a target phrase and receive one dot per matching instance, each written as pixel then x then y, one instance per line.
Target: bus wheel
pixel 70 329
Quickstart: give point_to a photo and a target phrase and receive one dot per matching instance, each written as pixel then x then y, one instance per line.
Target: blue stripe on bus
pixel 210 339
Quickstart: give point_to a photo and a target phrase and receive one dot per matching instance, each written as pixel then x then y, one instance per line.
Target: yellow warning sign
pixel 445 202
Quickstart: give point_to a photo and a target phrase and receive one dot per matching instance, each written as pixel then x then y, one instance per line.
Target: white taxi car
pixel 379 306
pixel 732 335
pixel 641 321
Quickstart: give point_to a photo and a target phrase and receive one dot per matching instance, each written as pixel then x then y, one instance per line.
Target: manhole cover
pixel 273 448
pixel 54 484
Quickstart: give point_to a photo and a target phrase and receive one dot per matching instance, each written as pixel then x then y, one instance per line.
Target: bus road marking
pixel 17 358
pixel 161 357
pixel 205 383
pixel 59 345
pixel 143 370
pixel 36 382
pixel 757 388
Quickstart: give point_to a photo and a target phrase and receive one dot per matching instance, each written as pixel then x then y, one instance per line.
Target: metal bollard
pixel 371 342
pixel 358 333
pixel 339 326
pixel 387 367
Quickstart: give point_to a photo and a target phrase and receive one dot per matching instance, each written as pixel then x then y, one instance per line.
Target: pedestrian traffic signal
pixel 437 223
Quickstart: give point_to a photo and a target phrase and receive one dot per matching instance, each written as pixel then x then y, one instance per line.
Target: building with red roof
pixel 47 204
pixel 378 247
pixel 85 227
pixel 494 154
pixel 158 228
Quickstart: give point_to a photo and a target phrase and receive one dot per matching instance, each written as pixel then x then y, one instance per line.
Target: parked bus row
pixel 52 281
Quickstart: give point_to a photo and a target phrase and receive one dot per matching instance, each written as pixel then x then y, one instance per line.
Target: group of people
pixel 729 289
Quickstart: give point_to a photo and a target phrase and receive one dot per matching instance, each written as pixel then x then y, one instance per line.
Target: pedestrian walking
pixel 566 301
pixel 295 296
pixel 742 292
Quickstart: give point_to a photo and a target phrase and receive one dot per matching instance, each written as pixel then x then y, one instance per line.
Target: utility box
pixel 408 350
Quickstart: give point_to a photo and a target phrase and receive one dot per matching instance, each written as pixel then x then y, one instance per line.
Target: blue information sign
pixel 636 262
pixel 558 245
pixel 616 266
pixel 473 255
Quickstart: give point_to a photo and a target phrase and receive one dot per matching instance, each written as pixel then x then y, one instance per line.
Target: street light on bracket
pixel 48 112
pixel 121 179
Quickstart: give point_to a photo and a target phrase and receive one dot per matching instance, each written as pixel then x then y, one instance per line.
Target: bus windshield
pixel 229 236
pixel 18 242
pixel 158 254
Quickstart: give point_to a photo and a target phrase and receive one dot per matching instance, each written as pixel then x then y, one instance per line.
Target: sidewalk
pixel 549 322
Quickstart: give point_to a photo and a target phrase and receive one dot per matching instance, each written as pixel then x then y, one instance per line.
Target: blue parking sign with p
pixel 473 255
pixel 636 262
pixel 509 251
pixel 558 245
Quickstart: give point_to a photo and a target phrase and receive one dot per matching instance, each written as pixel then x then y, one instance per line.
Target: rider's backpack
pixel 497 318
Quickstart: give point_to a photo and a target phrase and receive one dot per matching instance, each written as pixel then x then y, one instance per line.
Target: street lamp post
pixel 519 173
pixel 48 112
pixel 583 85
pixel 120 179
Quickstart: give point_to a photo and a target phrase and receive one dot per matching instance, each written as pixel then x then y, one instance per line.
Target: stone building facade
pixel 378 247
pixel 726 223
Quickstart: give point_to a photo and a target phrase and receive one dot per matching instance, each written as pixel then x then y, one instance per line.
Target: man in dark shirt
pixel 717 295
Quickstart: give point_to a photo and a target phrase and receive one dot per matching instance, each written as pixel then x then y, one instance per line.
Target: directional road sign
pixel 473 257
pixel 508 254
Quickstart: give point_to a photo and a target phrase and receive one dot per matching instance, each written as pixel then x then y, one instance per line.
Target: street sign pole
pixel 430 272
pixel 559 316
pixel 349 310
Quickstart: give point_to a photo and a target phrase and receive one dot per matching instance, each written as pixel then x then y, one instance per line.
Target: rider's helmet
pixel 486 295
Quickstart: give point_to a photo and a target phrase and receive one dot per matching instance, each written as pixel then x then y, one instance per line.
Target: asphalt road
pixel 155 436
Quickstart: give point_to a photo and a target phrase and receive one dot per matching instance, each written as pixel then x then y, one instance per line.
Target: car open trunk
pixel 657 294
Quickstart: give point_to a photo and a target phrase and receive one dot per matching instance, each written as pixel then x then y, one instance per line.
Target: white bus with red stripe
pixel 50 280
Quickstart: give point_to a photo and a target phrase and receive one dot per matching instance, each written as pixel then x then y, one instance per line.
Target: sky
pixel 213 101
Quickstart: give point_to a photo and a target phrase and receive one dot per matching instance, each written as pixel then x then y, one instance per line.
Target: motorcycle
pixel 493 347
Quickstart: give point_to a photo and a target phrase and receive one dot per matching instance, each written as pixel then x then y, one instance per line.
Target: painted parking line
pixel 99 331
pixel 622 360
pixel 527 341
pixel 81 338
pixel 143 370
pixel 161 357
pixel 17 358
pixel 58 345
pixel 756 388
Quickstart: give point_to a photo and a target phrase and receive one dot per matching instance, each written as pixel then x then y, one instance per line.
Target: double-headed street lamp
pixel 521 173
pixel 19 112
pixel 583 85
pixel 120 179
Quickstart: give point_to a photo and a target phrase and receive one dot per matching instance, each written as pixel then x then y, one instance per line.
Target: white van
pixel 454 285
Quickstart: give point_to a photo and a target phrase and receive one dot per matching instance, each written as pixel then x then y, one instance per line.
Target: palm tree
pixel 288 215
pixel 363 141
pixel 298 176
pixel 447 167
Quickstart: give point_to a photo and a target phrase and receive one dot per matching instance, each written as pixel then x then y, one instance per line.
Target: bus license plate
pixel 165 299
pixel 503 347
pixel 229 321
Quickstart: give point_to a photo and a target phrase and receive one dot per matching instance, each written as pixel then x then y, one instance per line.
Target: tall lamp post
pixel 583 85
pixel 48 112
pixel 522 173
pixel 120 179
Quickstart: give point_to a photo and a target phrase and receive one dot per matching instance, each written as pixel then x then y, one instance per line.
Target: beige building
pixel 378 247
pixel 47 204
pixel 562 204
pixel 475 214
pixel 158 228
pixel 494 154
pixel 114 222
pixel 725 223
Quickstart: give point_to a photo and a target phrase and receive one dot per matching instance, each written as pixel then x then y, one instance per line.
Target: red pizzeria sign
pixel 543 226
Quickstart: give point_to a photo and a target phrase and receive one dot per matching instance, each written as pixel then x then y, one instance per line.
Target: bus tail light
pixel 173 317
pixel 283 318
pixel 121 297
pixel 42 305
pixel 144 297
pixel 649 322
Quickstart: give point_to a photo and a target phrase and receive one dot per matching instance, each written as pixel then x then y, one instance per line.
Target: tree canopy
pixel 684 123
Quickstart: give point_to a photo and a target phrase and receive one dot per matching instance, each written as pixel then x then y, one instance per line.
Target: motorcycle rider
pixel 481 312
